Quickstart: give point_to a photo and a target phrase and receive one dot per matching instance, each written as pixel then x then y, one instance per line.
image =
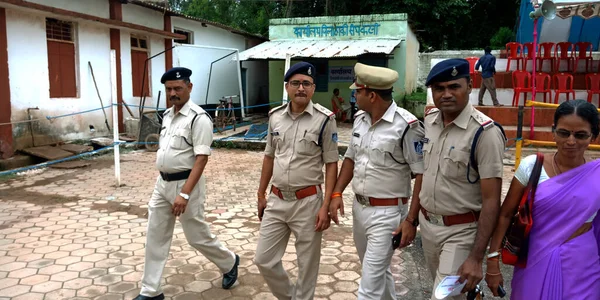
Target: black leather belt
pixel 175 176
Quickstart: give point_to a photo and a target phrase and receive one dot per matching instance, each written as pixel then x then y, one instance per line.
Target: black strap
pixel 472 159
pixel 192 131
pixel 320 140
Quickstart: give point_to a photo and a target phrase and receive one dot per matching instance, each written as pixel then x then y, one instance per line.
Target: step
pixel 509 116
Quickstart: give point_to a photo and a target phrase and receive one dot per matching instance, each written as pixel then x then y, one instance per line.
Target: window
pixel 61 58
pixel 189 36
pixel 322 78
pixel 139 75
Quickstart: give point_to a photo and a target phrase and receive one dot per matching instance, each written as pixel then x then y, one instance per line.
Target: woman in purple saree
pixel 564 242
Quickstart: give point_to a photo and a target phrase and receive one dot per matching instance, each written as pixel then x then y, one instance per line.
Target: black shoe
pixel 142 297
pixel 230 277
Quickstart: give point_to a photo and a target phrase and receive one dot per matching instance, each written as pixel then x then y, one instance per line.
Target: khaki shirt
pixel 180 142
pixel 445 189
pixel 383 161
pixel 294 144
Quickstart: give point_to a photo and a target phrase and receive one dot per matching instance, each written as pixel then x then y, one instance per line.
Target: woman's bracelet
pixel 335 195
pixel 494 274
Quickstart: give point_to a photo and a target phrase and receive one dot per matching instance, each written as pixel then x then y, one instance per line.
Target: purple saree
pixel 557 269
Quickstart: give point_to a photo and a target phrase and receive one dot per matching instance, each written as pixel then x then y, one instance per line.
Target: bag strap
pixel 535 177
pixel 472 159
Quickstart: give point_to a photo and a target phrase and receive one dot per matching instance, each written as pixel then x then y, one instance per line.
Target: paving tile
pixel 64 276
pixel 15 290
pixel 93 273
pixel 46 287
pixel 77 283
pixel 34 279
pixel 92 291
pixel 107 279
pixel 22 273
pixel 68 260
pixel 12 266
pixel 53 269
pixel 121 287
pixel 30 296
pixel 110 297
pixel 8 282
pixel 62 294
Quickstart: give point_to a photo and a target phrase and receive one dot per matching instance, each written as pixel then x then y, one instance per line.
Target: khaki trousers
pixel 161 223
pixel 490 85
pixel 446 248
pixel 372 229
pixel 281 218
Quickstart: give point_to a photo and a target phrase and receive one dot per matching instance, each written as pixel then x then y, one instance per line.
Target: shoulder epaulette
pixel 274 109
pixel 408 117
pixel 431 111
pixel 359 113
pixel 483 120
pixel 323 110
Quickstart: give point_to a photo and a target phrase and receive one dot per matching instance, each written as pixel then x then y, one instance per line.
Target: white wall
pixel 412 62
pixel 98 8
pixel 29 82
pixel 142 16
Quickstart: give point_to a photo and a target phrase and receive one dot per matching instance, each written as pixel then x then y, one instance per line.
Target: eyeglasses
pixel 305 84
pixel 580 135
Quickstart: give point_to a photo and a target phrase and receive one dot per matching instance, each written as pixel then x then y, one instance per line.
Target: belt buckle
pixel 362 200
pixel 435 219
pixel 288 195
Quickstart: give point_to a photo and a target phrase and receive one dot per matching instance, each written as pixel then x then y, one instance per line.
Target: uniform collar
pixel 309 108
pixel 185 110
pixel 462 120
pixel 388 116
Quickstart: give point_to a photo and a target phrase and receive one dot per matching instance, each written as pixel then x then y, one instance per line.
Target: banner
pixel 341 74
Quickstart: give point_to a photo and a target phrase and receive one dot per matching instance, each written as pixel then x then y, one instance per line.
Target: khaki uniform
pixel 180 142
pixel 446 191
pixel 298 164
pixel 384 155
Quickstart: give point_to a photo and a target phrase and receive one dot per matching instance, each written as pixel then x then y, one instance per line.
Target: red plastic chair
pixel 562 52
pixel 592 85
pixel 527 47
pixel 581 49
pixel 543 84
pixel 514 52
pixel 472 62
pixel 563 84
pixel 546 52
pixel 521 81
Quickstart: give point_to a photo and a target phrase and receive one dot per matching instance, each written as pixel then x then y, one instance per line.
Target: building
pixel 334 45
pixel 47 47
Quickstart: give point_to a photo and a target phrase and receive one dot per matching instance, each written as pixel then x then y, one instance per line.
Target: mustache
pixel 174 98
pixel 301 95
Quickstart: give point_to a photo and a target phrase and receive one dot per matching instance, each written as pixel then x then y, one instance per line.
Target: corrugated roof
pixel 319 48
pixel 178 14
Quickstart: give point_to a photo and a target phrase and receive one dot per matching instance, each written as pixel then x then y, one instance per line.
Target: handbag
pixel 516 238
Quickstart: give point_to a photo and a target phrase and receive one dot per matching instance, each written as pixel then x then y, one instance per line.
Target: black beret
pixel 177 73
pixel 303 68
pixel 448 70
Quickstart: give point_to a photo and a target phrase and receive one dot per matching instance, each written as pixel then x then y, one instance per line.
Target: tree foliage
pixel 439 24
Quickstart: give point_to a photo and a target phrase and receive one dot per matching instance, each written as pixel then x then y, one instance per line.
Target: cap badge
pixel 454 71
pixel 177 75
pixel 309 71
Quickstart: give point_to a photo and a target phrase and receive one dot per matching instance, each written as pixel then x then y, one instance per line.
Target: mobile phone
pixel 501 291
pixel 396 240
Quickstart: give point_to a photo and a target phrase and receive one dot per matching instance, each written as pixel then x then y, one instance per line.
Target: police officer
pixel 185 140
pixel 302 137
pixel 384 151
pixel 460 198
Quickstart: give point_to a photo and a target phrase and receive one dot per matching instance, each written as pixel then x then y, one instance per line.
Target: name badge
pixel 356 134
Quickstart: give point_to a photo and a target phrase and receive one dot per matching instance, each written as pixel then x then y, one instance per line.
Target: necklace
pixel 555 165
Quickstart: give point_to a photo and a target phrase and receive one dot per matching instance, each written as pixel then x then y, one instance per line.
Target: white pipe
pixel 115 114
pixel 239 73
pixel 288 58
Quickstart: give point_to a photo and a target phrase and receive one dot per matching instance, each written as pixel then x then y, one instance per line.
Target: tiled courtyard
pixel 72 234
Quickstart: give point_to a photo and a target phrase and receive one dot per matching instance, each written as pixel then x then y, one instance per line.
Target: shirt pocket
pixel 181 139
pixel 161 138
pixel 455 164
pixel 308 144
pixel 380 153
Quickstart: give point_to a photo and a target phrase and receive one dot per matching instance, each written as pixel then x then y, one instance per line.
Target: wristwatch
pixel 184 196
pixel 413 222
